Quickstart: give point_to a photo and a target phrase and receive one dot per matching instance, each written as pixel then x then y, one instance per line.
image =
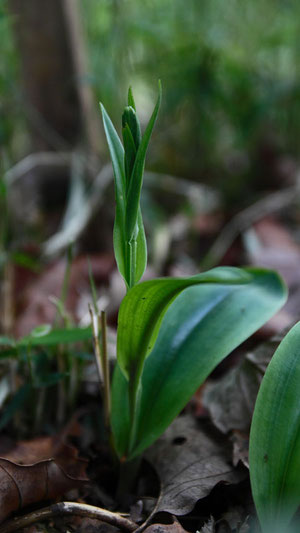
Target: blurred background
pixel 222 170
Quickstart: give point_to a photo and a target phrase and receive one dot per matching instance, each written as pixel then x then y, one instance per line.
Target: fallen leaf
pixel 209 527
pixel 230 400
pixel 88 525
pixel 190 459
pixel 36 470
pixel 235 519
pixel 240 442
pixel 175 527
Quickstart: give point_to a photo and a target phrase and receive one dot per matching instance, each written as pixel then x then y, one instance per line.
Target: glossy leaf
pixel 144 306
pixel 275 437
pixel 201 327
pixel 136 180
pixel 117 156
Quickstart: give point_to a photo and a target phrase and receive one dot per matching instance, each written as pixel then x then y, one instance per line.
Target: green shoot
pixel 128 162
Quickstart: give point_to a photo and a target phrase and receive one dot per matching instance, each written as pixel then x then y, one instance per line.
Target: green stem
pixel 130 262
pixel 133 406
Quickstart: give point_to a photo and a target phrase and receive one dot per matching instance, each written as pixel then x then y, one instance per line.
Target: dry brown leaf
pixel 175 527
pixel 36 470
pixel 209 527
pixel 230 400
pixel 190 461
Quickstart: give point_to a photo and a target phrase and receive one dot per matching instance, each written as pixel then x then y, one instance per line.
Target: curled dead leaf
pixel 37 470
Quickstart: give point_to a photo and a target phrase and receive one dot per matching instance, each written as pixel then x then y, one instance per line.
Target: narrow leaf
pixel 136 181
pixel 56 336
pixel 131 101
pixel 117 156
pixel 275 438
pixel 201 327
pixel 130 119
pixel 130 152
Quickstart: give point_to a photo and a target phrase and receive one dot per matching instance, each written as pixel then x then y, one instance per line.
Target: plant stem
pixel 134 391
pixel 62 396
pixel 95 328
pixel 127 477
pixel 105 370
pixel 131 247
pixel 102 363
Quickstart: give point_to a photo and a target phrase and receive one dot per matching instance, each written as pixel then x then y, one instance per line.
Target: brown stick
pixel 69 508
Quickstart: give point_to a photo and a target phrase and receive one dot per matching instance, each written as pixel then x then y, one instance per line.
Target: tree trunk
pixel 53 65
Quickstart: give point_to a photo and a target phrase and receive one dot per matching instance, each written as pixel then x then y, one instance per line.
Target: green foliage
pixel 216 311
pixel 184 337
pixel 44 335
pixel 41 374
pixel 128 165
pixel 275 438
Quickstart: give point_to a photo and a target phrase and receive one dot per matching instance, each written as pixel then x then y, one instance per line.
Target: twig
pixel 69 508
pixel 37 159
pixel 243 220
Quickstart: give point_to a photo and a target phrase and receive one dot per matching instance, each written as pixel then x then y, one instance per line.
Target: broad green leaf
pixel 275 437
pixel 117 156
pixel 56 336
pixel 143 308
pixel 201 327
pixel 136 180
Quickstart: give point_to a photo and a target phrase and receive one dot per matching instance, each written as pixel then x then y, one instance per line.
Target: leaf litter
pixel 190 459
pixel 40 469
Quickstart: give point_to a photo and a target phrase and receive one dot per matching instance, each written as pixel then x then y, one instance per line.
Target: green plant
pixel 172 332
pixel 274 453
pixel 35 376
